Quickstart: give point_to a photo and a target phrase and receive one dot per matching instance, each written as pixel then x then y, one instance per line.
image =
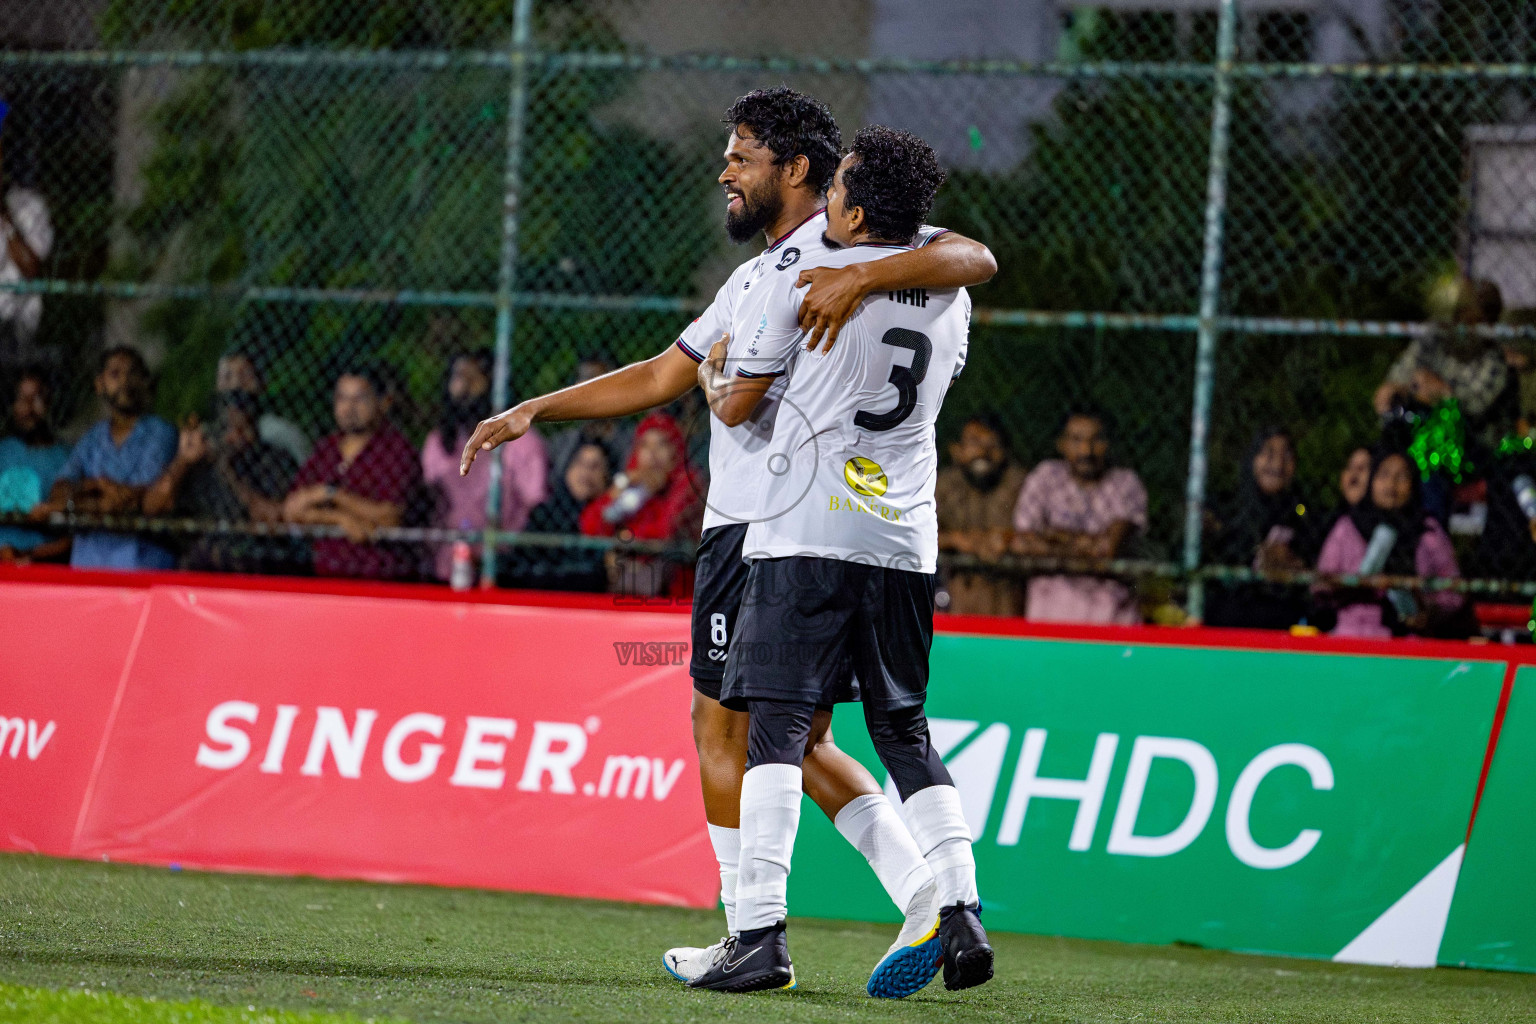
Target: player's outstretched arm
pixel 949 261
pixel 630 389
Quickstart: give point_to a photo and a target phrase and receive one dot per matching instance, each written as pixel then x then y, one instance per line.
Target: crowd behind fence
pixel 1217 225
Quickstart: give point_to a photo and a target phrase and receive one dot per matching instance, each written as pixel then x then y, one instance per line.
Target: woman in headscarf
pixel 1393 505
pixel 1267 526
pixel 1354 481
pixel 586 477
pixel 657 497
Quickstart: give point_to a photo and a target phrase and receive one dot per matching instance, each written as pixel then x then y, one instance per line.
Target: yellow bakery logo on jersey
pixel 864 476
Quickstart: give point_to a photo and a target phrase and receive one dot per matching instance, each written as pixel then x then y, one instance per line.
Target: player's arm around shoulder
pixel 950 260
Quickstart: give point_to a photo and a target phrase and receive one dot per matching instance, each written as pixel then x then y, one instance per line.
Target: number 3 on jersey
pixel 906 379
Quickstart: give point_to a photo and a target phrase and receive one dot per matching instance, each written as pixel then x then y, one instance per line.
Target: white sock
pixel 727 844
pixel 770 816
pixel 938 824
pixel 874 828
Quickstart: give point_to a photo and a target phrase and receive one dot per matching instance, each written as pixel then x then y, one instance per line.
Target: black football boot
pixel 754 961
pixel 967 957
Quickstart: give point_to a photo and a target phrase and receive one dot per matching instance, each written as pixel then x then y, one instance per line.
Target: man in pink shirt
pixel 1078 507
pixel 460 500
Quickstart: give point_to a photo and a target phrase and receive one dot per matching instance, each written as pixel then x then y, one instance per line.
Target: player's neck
pixel 797 210
pixel 866 238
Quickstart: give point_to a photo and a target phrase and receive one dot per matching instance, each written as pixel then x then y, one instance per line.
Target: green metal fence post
pixel 1210 299
pixel 506 278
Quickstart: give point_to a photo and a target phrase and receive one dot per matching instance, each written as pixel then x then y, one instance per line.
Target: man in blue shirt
pixel 30 459
pixel 112 466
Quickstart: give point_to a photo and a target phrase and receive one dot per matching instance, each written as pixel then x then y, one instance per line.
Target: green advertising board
pixel 1493 919
pixel 1303 804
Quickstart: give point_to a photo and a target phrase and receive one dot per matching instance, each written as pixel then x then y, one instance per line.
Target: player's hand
pixel 494 432
pixel 713 366
pixel 835 293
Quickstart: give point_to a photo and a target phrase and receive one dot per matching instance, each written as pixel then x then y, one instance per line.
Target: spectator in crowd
pixel 1419 547
pixel 657 497
pixel 460 500
pixel 1354 481
pixel 614 435
pixel 1451 361
pixel 30 460
pixel 975 495
pixel 239 371
pixel 108 472
pixel 585 478
pixel 26 238
pixel 363 477
pixel 1269 525
pixel 233 476
pixel 1077 506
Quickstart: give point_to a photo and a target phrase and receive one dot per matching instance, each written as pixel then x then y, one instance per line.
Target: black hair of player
pixel 893 180
pixel 791 124
pixel 135 358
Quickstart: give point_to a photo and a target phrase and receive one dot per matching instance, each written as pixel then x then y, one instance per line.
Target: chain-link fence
pixel 1208 218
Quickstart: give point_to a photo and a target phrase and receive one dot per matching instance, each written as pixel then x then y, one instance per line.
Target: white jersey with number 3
pixel 850 470
pixel 736 453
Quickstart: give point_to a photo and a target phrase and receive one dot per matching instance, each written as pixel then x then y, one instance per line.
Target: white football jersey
pixel 736 453
pixel 850 469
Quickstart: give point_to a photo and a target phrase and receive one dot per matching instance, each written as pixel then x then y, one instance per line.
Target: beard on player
pixel 760 207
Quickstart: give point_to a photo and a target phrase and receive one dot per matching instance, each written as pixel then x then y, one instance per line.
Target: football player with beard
pixel 783 149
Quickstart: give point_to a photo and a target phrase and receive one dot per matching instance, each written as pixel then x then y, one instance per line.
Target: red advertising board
pixel 458 744
pixel 63 666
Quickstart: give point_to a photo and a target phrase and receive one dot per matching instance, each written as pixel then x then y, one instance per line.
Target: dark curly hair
pixel 894 181
pixel 791 124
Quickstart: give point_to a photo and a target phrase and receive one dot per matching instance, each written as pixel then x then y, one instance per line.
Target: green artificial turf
pixel 121 943
pixel 45 1006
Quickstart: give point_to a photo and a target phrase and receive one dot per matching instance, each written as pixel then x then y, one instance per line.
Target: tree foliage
pixel 332 176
